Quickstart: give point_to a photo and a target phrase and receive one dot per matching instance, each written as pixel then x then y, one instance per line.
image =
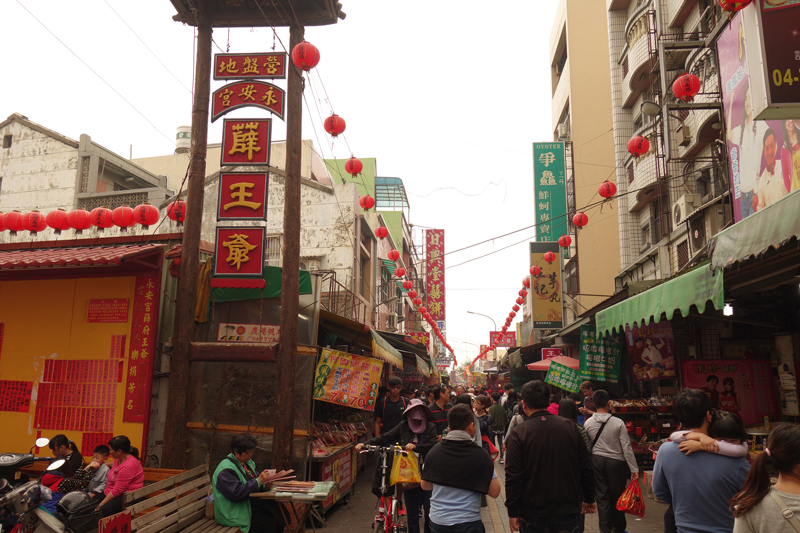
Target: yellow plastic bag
pixel 405 468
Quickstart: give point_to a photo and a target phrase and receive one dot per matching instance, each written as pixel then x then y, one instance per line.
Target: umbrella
pixel 544 365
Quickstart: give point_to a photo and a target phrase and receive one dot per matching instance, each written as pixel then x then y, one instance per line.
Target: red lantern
pixel 526 282
pixel 418 301
pixel 2 224
pixel 335 125
pixel 366 328
pixel 515 308
pixel 523 292
pixel 57 220
pixel 394 255
pixel 407 284
pixel 427 316
pixel 421 309
pixel 367 202
pixel 512 314
pixel 177 211
pixel 400 272
pixel 34 222
pixel 305 56
pixel 79 220
pixel 549 257
pixel 504 329
pixel 686 86
pixel 580 219
pixel 564 241
pixel 607 189
pixel 101 217
pixel 353 166
pixel 536 270
pixel 13 222
pixel 145 215
pixel 734 5
pixel 638 145
pixel 412 294
pixel 520 300
pixel 122 217
pixel 382 232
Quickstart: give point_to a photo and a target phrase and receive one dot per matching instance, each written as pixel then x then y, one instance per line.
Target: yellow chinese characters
pixel 240 196
pixel 229 67
pixel 245 139
pixel 250 66
pixel 238 250
pixel 269 99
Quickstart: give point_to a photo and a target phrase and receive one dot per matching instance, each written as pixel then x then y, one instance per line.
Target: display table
pixel 339 467
pixel 321 491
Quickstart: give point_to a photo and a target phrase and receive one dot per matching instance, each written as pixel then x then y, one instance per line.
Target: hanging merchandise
pixel 734 5
pixel 400 272
pixel 686 87
pixel 580 219
pixel 13 221
pixel 335 125
pixel 305 56
pixel 550 256
pixel 353 166
pixel 101 217
pixel 177 211
pixel 607 189
pixel 638 145
pixel 394 255
pixel 382 232
pixel 57 220
pixel 145 215
pixel 367 202
pixel 34 222
pixel 564 241
pixel 79 220
pixel 123 217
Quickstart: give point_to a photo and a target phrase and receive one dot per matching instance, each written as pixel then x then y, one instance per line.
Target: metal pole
pixel 290 278
pixel 174 453
pixel 494 352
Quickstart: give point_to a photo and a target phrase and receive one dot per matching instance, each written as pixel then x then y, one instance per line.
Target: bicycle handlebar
pixel 382 449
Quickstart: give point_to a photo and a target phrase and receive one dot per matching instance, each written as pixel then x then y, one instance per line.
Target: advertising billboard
pixel 550 191
pixel 547 307
pixel 434 283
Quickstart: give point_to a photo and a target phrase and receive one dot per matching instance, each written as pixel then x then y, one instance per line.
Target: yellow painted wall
pixel 47 319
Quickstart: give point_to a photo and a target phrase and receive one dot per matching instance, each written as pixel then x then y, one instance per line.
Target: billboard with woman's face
pixel 764 155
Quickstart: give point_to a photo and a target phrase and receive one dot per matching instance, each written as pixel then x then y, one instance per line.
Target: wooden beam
pixel 235 428
pixel 233 352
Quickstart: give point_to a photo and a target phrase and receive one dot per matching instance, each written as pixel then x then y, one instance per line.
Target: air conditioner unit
pixel 391 322
pixel 684 136
pixel 563 131
pixel 715 220
pixel 684 207
pixel 698 237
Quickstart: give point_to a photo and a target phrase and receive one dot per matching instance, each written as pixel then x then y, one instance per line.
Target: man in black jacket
pixel 549 478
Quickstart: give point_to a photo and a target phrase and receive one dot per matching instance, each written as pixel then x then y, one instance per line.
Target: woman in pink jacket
pixel 126 475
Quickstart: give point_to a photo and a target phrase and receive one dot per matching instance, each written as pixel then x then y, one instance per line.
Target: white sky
pixel 446 94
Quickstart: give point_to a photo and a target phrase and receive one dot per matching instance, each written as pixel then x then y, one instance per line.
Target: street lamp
pixel 494 352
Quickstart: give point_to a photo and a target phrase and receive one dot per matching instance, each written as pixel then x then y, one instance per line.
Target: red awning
pixel 62 260
pixel 544 366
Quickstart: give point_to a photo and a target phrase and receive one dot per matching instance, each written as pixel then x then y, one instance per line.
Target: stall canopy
pixel 385 351
pixel 544 366
pixel 695 287
pixel 770 227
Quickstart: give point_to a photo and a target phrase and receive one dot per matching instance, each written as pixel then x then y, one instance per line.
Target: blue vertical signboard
pixel 550 191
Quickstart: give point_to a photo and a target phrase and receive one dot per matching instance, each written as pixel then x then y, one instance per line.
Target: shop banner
pixel 503 340
pixel 600 356
pixel 251 66
pixel 742 387
pixel 563 377
pixel 347 379
pixel 434 283
pixel 257 333
pixel 420 336
pixel 549 353
pixel 550 191
pixel 547 307
pixel 652 350
pixel 143 349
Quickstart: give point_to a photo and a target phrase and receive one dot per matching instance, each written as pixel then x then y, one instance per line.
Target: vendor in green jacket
pixel 235 479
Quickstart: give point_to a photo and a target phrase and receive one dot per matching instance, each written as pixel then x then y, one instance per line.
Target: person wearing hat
pixel 416 434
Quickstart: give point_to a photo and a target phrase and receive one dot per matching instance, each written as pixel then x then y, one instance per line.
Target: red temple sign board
pixel 140 359
pixel 420 336
pixel 549 353
pixel 240 252
pixel 115 310
pixel 259 94
pixel 434 256
pixel 242 196
pixel 504 340
pixel 266 66
pixel 246 141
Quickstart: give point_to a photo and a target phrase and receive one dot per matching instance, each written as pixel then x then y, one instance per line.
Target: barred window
pixel 683 254
pixel 273 251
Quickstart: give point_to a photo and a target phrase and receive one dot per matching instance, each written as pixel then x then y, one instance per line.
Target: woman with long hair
pixel 63 448
pixel 729 398
pixel 126 475
pixel 790 154
pixel 758 506
pixel 748 136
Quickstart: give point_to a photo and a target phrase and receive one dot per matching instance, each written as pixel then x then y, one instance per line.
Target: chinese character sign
pixel 600 356
pixel 242 196
pixel 245 141
pixel 268 66
pixel 434 256
pixel 563 377
pixel 652 350
pixel 247 94
pixel 546 298
pixel 144 323
pixel 248 333
pixel 240 252
pixel 420 336
pixel 549 353
pixel 550 191
pixel 347 379
pixel 503 340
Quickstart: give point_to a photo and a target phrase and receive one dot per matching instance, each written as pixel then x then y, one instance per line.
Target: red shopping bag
pixel 493 451
pixel 631 500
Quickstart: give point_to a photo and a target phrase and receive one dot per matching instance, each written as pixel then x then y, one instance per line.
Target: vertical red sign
pixel 246 141
pixel 434 256
pixel 140 358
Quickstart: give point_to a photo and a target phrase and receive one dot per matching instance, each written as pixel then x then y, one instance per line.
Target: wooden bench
pixel 151 475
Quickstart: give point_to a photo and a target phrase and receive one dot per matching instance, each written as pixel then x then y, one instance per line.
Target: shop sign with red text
pixel 420 336
pixel 434 256
pixel 246 141
pixel 504 340
pixel 259 94
pixel 144 324
pixel 240 252
pixel 242 196
pixel 265 66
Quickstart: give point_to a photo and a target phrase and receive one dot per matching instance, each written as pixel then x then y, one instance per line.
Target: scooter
pixel 11 463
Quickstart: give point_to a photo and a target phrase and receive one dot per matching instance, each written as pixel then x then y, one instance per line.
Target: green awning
pixel 695 287
pixel 391 267
pixel 772 227
pixel 272 276
pixel 385 351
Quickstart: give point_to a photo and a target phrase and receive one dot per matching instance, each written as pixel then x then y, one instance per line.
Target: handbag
pixel 631 500
pixel 785 511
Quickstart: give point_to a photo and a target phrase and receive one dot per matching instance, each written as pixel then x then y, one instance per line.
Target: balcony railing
pixel 338 299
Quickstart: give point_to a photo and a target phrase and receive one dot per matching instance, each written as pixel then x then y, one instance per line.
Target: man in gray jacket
pixel 613 461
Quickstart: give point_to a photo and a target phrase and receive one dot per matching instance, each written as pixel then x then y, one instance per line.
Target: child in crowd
pixel 726 436
pixel 93 478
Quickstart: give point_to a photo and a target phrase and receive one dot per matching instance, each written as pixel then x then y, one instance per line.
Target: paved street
pixel 357 515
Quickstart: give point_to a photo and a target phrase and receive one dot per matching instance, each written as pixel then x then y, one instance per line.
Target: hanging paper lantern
pixel 515 308
pixel 638 145
pixel 382 232
pixel 34 222
pixel 101 217
pixel 580 219
pixel 734 5
pixel 549 257
pixel 564 241
pixel 394 255
pixel 367 202
pixel 412 294
pixel 421 309
pixel 145 215
pixel 353 166
pixel 177 211
pixel 607 189
pixel 79 220
pixel 512 314
pixel 305 56
pixel 122 217
pixel 526 283
pixel 523 292
pixel 407 284
pixel 57 220
pixel 335 125
pixel 536 270
pixel 400 272
pixel 2 224
pixel 504 329
pixel 418 301
pixel 686 86
pixel 520 300
pixel 13 221
pixel 367 328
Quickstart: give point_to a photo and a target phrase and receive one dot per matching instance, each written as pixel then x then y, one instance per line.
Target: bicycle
pixel 386 522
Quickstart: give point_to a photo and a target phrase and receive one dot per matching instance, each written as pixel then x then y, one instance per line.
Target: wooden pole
pixel 174 453
pixel 290 279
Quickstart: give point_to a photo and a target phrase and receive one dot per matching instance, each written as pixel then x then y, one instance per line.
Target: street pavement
pixel 357 515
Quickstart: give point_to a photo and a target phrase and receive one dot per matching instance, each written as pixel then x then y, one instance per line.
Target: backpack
pixel 510 410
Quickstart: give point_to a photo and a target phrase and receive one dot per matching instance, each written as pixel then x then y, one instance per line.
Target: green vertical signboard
pixel 600 356
pixel 550 191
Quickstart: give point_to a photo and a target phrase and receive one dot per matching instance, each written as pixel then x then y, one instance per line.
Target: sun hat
pixel 416 414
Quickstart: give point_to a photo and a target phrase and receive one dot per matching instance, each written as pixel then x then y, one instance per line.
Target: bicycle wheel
pixel 380 528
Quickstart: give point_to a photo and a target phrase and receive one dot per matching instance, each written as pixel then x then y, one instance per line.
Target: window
pixel 7 141
pixel 683 254
pixel 630 173
pixel 625 67
pixel 273 251
pixel 646 242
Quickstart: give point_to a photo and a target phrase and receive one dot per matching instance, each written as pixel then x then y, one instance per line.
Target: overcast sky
pixel 447 95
